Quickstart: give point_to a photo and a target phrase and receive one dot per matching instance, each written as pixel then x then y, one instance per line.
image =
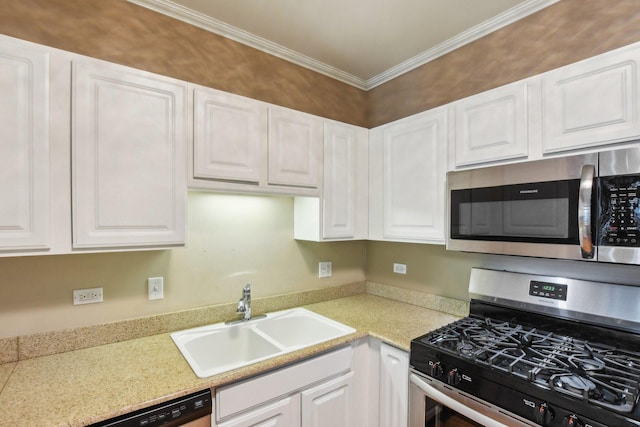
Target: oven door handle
pixel 453 404
pixel 584 212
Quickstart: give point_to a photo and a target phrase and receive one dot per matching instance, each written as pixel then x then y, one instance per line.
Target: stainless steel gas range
pixel 535 350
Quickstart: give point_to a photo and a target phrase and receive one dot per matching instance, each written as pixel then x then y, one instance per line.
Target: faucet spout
pixel 244 305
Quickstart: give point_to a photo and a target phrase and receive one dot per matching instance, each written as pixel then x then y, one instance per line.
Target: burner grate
pixel 595 373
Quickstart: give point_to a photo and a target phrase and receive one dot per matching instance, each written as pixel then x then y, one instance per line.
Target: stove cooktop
pixel 552 350
pixel 599 374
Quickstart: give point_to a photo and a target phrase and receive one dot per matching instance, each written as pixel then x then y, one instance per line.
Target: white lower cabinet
pixel 334 389
pixel 365 384
pixel 282 413
pixel 329 404
pixel 394 386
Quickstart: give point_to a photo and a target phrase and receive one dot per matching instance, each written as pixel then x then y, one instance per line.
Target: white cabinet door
pixel 230 137
pixel 25 211
pixel 345 182
pixel 492 126
pixel 341 212
pixel 394 386
pixel 329 404
pixel 407 179
pixel 592 102
pixel 295 144
pixel 128 157
pixel 283 413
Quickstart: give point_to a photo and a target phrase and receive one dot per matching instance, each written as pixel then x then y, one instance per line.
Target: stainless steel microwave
pixel 583 207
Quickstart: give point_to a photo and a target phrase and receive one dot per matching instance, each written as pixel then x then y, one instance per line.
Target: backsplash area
pixel 47 343
pixel 232 240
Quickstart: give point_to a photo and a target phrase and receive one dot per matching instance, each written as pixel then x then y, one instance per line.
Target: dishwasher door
pixel 193 410
pixel 200 422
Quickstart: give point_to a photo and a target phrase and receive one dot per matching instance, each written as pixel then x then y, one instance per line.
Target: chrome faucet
pixel 244 305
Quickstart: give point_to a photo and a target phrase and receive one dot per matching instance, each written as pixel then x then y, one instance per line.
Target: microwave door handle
pixel 584 211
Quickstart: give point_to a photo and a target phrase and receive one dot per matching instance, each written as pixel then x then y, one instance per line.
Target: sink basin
pixel 298 328
pixel 221 347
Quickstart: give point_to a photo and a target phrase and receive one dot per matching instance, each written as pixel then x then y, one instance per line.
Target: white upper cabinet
pixel 25 184
pixel 247 146
pixel 345 182
pixel 491 126
pixel 407 174
pixel 230 137
pixel 341 212
pixel 295 148
pixel 592 102
pixel 128 157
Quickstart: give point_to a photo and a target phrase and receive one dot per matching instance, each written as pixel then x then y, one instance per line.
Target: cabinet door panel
pixel 283 413
pixel 329 404
pixel 345 182
pixel 230 137
pixel 295 141
pixel 394 386
pixel 129 157
pixel 592 102
pixel 25 211
pixel 492 126
pixel 414 165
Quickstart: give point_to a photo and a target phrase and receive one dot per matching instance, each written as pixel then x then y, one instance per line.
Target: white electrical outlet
pixel 87 296
pixel 324 269
pixel 156 287
pixel 399 268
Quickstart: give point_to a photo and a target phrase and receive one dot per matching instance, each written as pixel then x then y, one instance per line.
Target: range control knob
pixel 436 369
pixel 453 377
pixel 572 421
pixel 543 414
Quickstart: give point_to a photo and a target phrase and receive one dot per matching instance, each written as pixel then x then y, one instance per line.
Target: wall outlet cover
pixel 324 269
pixel 399 268
pixel 87 296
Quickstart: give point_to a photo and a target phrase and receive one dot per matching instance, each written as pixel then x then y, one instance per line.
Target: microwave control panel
pixel 619 216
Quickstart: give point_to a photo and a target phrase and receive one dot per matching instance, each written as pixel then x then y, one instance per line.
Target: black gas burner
pixel 595 373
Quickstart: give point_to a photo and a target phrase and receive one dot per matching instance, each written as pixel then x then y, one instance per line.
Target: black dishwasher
pixel 193 409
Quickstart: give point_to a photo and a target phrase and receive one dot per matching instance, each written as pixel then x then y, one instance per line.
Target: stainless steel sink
pixel 221 347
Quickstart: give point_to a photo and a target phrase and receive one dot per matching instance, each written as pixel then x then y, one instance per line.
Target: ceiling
pixel 360 42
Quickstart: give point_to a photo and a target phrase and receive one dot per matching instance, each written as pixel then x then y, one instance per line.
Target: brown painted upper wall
pixel 566 32
pixel 124 33
pixel 121 32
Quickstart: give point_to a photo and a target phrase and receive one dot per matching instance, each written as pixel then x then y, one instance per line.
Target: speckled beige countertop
pixel 80 387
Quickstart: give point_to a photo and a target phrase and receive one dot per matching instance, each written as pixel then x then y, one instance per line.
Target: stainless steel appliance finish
pixel 583 207
pixel 193 410
pixel 535 350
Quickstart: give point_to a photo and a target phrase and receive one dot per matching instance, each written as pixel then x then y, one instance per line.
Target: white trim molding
pixel 171 9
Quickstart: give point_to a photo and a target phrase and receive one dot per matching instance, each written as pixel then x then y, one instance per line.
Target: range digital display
pixel 548 290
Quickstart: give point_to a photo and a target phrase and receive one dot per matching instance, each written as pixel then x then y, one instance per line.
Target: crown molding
pixel 510 16
pixel 176 11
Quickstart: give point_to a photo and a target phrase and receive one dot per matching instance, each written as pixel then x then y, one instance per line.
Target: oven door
pixel 433 404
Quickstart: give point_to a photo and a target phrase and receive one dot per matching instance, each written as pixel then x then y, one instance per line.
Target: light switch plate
pixel 156 287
